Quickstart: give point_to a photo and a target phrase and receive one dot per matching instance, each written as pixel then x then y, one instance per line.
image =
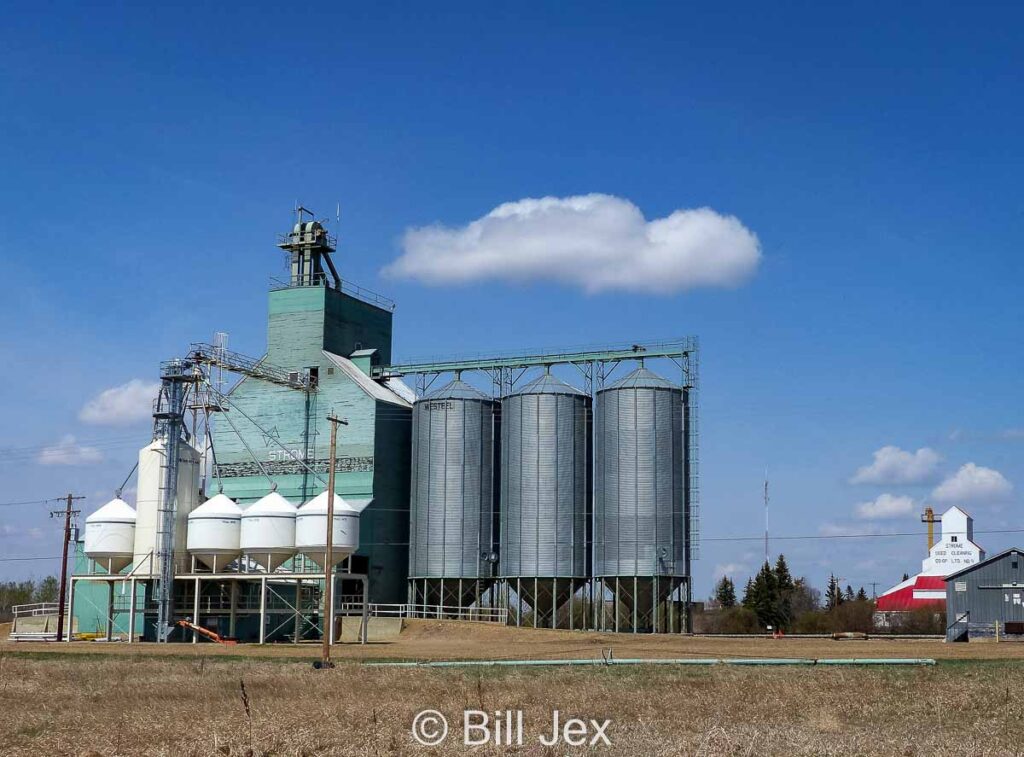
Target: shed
pixel 986 600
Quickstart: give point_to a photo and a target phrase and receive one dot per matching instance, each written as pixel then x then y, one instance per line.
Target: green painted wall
pixel 90 608
pixel 305 320
pixel 373 449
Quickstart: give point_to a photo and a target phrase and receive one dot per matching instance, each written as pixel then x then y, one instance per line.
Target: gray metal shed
pixel 986 600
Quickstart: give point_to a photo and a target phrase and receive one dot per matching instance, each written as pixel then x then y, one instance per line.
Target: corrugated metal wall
pixel 452 487
pixel 986 593
pixel 638 497
pixel 545 476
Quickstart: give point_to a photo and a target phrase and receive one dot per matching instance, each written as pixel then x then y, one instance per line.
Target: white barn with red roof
pixel 955 550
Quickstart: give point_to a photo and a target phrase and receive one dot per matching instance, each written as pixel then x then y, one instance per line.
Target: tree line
pixel 26 592
pixel 774 600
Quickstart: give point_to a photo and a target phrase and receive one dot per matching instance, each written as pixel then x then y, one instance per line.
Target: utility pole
pixel 68 513
pixel 325 661
pixel 874 589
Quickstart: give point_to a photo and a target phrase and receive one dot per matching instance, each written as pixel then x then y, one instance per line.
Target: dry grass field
pixel 448 640
pixel 119 705
pixel 112 699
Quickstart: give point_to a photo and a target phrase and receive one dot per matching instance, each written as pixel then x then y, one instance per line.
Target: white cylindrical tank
pixel 311 529
pixel 215 532
pixel 110 535
pixel 152 460
pixel 268 531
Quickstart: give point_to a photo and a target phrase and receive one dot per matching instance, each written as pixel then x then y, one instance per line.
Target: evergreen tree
pixel 725 593
pixel 785 588
pixel 748 593
pixel 848 596
pixel 906 576
pixel 764 597
pixel 833 594
pixel 862 596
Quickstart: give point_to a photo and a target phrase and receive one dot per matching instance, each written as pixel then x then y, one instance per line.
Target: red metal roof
pixel 900 598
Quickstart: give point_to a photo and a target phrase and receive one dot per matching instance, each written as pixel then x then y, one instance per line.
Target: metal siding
pixel 987 605
pixel 452 486
pixel 638 499
pixel 544 485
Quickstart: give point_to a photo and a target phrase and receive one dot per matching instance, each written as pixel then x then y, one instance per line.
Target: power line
pixel 853 536
pixel 25 502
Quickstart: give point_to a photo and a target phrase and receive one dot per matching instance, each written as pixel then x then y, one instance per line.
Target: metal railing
pixel 34 609
pixel 320 280
pixel 424 611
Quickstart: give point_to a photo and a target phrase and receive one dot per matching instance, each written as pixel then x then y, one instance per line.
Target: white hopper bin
pixel 268 531
pixel 311 529
pixel 110 535
pixel 215 532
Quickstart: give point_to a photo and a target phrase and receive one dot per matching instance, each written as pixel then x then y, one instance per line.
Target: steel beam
pixel 671 349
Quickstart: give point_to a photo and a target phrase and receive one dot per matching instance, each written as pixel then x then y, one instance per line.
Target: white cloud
pixel 69 452
pixel 885 506
pixel 973 484
pixel 850 529
pixel 598 242
pixel 121 405
pixel 893 465
pixel 731 569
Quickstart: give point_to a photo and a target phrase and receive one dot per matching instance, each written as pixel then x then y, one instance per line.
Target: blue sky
pixel 150 156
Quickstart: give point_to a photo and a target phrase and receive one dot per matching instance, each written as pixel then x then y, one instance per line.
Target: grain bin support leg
pixel 71 610
pixel 364 624
pixel 536 603
pixel 617 598
pixel 195 612
pixel 636 604
pixel 572 604
pixel 110 610
pixel 131 612
pixel 654 605
pixel 554 602
pixel 233 611
pixel 298 611
pixel 263 610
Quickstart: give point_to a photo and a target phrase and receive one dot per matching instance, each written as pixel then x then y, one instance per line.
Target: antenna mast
pixel 766 556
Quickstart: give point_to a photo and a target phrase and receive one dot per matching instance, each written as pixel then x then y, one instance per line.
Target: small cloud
pixel 955 435
pixel 121 405
pixel 69 452
pixel 893 466
pixel 885 506
pixel 1013 434
pixel 730 569
pixel 850 529
pixel 8 530
pixel 973 484
pixel 597 242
